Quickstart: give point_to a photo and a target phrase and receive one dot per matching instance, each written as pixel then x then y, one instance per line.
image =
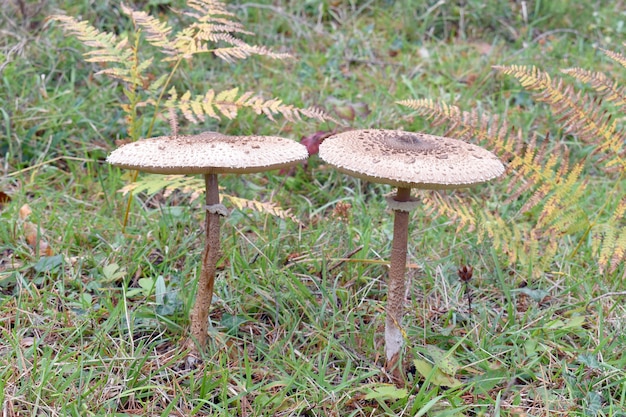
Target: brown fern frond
pixel 451 208
pixel 615 56
pixel 611 237
pixel 484 128
pixel 106 46
pixel 538 169
pixel 157 32
pixel 580 114
pixel 609 89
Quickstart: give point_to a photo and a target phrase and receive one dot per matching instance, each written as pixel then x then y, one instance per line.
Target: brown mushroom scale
pixel 406 160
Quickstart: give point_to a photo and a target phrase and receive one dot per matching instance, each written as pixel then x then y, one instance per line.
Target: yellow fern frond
pixel 194 187
pixel 610 89
pixel 611 237
pixel 615 56
pixel 227 104
pixel 242 50
pixel 157 32
pixel 153 183
pixel 552 194
pixel 208 9
pixel 214 24
pixel 268 208
pixel 454 209
pixel 580 114
pixel 106 46
pixel 538 172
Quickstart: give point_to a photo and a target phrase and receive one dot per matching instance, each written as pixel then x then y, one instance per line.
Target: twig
pixel 342 260
pixel 608 294
pixel 58 158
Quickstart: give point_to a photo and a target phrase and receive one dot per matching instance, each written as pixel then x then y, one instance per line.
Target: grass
pixel 296 329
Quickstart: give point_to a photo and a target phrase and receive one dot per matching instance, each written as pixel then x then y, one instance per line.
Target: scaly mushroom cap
pixel 410 160
pixel 208 153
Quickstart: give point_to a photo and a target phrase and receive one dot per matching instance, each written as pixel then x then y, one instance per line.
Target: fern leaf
pixel 267 208
pixel 215 24
pixel 615 56
pixel 122 74
pixel 241 50
pixel 612 239
pixel 153 183
pixel 227 104
pixel 106 46
pixel 209 8
pixel 157 32
pixel 157 84
pixel 195 187
pixel 579 113
pixel 609 89
pixel 538 172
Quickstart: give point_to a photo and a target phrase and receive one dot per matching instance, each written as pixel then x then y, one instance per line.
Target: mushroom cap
pixel 208 153
pixel 410 160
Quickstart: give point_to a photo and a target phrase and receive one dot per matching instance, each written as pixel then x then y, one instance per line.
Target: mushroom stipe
pixel 210 154
pixel 406 160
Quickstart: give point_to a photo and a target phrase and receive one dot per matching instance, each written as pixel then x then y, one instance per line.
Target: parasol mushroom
pixel 406 160
pixel 210 154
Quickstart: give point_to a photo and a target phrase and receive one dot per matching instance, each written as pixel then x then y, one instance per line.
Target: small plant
pixel 549 186
pixel 137 61
pixel 128 59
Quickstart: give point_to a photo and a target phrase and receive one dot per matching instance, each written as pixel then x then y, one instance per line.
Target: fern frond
pixel 122 74
pixel 451 208
pixel 195 187
pixel 609 89
pixel 552 192
pixel 615 56
pixel 215 24
pixel 484 128
pixel 208 9
pixel 153 183
pixel 619 250
pixel 611 237
pixel 241 49
pixel 157 32
pixel 581 115
pixel 267 208
pixel 538 173
pixel 106 46
pixel 227 104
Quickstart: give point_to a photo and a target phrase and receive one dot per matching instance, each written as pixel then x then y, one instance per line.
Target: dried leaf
pixel 4 198
pixel 312 142
pixel 25 211
pixel 33 233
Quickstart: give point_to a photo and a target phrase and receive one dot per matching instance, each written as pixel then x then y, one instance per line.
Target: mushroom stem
pixel 200 314
pixel 396 292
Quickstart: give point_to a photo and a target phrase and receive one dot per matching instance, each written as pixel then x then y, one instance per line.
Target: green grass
pixel 95 328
